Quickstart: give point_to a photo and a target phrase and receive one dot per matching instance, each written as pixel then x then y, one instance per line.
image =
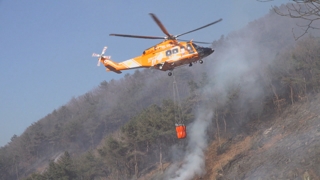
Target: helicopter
pixel 165 56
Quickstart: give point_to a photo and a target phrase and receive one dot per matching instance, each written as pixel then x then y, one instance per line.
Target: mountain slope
pixel 123 129
pixel 284 147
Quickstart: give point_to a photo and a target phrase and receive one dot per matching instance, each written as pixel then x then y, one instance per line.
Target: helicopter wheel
pixel 169 73
pixel 200 61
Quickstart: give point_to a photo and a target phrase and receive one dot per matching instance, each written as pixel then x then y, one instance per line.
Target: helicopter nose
pixel 208 51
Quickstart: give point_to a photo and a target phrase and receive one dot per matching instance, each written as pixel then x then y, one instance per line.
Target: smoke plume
pixel 238 65
pixel 193 162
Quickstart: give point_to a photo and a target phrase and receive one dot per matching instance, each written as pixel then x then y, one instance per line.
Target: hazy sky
pixel 46 46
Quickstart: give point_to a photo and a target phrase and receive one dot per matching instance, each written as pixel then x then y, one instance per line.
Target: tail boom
pixel 112 66
pixel 116 67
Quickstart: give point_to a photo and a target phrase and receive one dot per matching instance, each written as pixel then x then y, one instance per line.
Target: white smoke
pixel 237 65
pixel 242 60
pixel 193 163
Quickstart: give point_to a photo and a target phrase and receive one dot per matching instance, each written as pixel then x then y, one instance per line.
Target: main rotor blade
pixel 136 36
pixel 200 42
pixel 200 28
pixel 95 55
pixel 164 30
pixel 104 50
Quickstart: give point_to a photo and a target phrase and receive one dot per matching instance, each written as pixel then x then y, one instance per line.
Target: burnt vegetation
pixel 124 128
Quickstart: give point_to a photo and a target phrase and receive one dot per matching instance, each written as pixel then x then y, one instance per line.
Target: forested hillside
pixel 124 129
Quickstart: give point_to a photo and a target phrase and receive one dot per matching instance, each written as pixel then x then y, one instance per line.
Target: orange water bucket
pixel 181 131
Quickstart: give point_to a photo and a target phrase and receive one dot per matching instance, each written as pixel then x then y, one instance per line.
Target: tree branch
pixel 308 10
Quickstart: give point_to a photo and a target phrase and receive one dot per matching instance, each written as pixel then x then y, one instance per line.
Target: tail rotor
pixel 100 56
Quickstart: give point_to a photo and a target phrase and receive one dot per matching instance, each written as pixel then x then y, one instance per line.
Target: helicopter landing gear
pixel 200 61
pixel 160 66
pixel 190 64
pixel 170 73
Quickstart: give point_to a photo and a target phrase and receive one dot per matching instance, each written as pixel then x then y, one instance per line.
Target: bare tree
pixel 308 10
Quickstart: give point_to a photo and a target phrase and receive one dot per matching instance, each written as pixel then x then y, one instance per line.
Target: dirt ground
pixel 287 147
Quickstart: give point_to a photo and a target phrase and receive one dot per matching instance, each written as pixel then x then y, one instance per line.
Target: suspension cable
pixel 176 100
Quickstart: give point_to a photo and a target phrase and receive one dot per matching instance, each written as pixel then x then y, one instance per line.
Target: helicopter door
pixel 182 50
pixel 175 53
pixel 172 52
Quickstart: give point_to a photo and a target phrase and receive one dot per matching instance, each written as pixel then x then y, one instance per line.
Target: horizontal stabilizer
pixel 111 68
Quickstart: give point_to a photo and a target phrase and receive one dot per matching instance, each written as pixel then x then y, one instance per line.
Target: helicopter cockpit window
pixel 168 53
pixel 199 49
pixel 194 45
pixel 189 48
pixel 175 51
